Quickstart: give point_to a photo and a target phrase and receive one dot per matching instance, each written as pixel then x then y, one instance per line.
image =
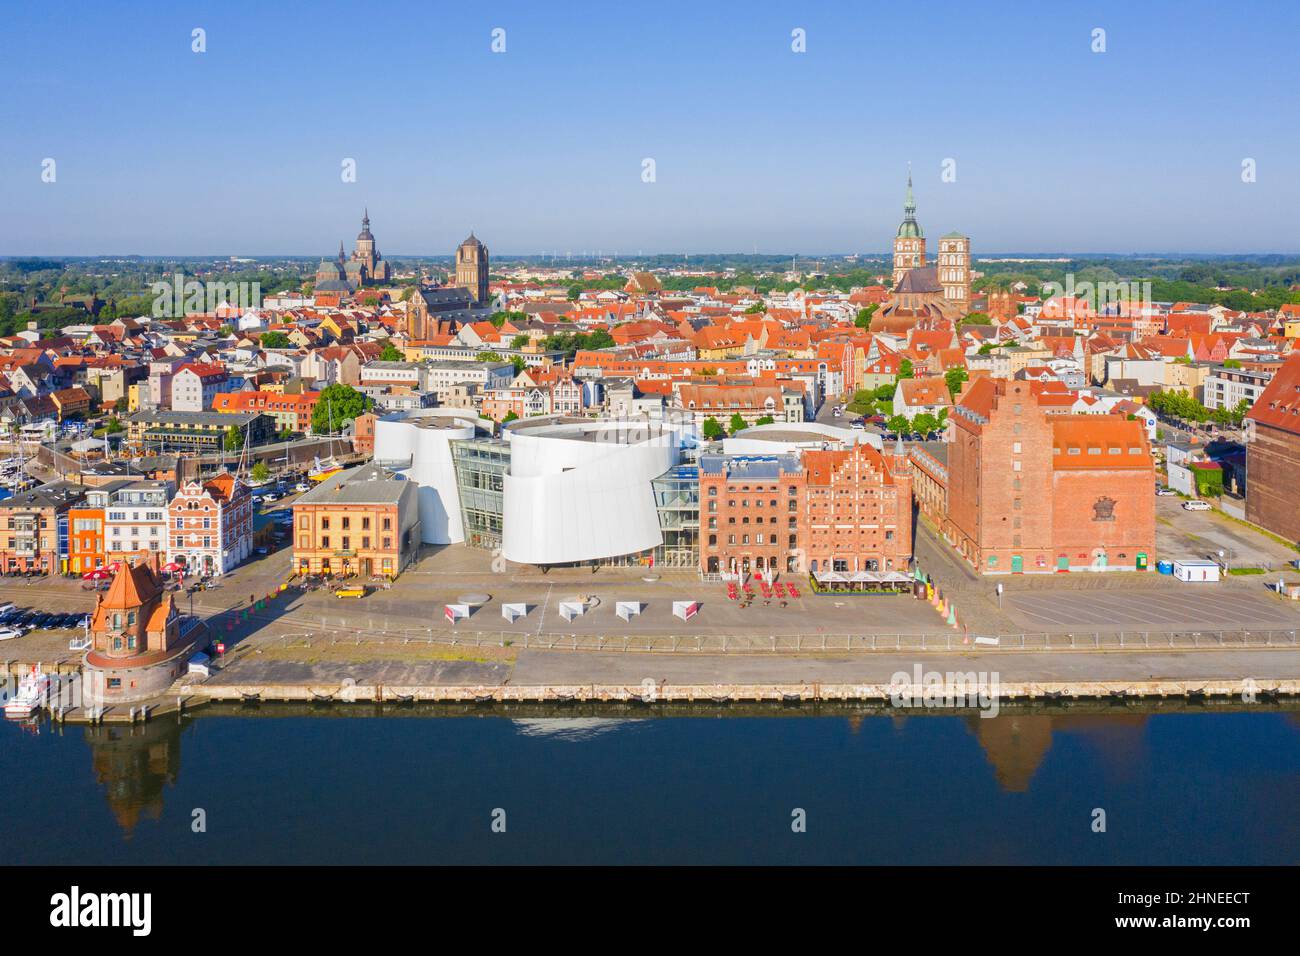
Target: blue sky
pixel 238 150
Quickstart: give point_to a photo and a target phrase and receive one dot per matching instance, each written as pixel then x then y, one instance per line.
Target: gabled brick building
pixel 1273 454
pixel 1033 492
pixel 844 510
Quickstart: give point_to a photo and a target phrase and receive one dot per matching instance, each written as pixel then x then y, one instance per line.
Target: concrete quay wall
pixel 651 692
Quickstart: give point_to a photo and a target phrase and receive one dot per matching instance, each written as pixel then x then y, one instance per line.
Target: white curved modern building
pixel 580 490
pixel 786 437
pixel 416 444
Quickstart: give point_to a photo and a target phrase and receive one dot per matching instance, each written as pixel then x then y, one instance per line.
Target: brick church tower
pixel 909 244
pixel 472 269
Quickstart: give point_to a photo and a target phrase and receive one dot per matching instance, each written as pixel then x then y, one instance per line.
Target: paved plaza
pixel 1038 610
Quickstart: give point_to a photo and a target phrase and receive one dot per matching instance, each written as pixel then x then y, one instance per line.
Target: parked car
pixel 9 633
pixel 270 496
pixel 1165 492
pixel 301 487
pixel 1196 505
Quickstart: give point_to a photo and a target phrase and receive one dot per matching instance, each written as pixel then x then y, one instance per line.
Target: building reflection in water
pixel 134 765
pixel 1015 744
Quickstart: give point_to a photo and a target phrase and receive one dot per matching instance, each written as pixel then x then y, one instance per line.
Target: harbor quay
pixel 568 635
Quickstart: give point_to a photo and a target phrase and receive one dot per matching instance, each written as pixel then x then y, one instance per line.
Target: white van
pixel 1196 505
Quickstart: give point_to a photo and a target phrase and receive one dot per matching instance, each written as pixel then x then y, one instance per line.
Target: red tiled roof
pixel 1279 404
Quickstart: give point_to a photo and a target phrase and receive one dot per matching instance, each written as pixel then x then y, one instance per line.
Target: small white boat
pixel 31 694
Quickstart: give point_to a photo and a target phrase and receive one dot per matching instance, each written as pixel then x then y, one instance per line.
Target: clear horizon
pixel 162 151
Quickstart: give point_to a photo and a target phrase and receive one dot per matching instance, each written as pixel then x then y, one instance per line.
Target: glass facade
pixel 677 499
pixel 481 464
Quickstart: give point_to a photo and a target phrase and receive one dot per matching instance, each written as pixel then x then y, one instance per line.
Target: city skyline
pixel 238 150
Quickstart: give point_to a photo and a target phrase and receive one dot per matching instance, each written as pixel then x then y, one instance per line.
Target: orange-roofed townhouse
pixel 750 402
pixel 1210 348
pixel 210 525
pixel 882 370
pixel 713 343
pixel 71 402
pixel 1289 316
pixel 836 371
pixel 915 396
pixel 1076 311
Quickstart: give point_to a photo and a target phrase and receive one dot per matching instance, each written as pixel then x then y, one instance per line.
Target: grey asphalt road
pixel 550 667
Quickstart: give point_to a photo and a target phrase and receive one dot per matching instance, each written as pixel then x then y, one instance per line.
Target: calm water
pixel 1177 788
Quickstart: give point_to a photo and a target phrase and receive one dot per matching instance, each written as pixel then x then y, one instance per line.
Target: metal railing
pixel 797 643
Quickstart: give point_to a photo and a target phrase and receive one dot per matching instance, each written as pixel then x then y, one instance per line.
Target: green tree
pixel 519 341
pixel 337 405
pixel 737 423
pixel 899 424
pixel 1240 411
pixel 977 318
pixel 391 353
pixel 488 356
pixel 765 420
pixel 509 417
pixel 711 429
pixel 905 369
pixel 924 423
pixel 756 308
pixel 260 472
pixel 234 439
pixel 274 339
pixel 954 378
pixel 863 319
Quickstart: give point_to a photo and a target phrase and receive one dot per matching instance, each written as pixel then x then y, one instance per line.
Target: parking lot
pixel 1201 534
pixel 44 626
pixel 1176 605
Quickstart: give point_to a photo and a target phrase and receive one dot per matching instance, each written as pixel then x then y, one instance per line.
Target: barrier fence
pixel 795 643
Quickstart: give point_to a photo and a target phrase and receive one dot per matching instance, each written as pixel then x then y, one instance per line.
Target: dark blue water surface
pixel 1200 788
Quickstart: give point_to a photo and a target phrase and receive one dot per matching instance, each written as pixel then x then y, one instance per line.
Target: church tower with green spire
pixel 909 244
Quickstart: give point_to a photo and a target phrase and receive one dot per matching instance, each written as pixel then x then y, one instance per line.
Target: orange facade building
pixel 1033 492
pixel 843 510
